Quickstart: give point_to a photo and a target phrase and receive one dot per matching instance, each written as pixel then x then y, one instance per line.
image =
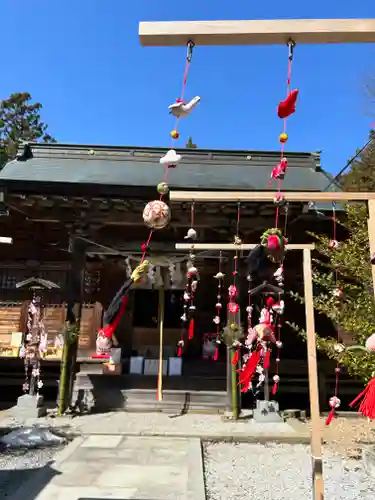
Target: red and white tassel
pixel 191 329
pixel 367 405
pixel 276 380
pixel 246 374
pixel 216 355
pixel 180 348
pixel 236 356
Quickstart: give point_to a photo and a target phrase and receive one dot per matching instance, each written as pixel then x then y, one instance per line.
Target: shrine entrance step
pixel 107 397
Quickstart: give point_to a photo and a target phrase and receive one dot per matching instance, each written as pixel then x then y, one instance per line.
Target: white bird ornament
pixel 180 109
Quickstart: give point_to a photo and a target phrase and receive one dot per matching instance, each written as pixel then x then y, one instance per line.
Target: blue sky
pixel 82 60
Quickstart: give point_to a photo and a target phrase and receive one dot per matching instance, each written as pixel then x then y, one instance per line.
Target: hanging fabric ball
pixel 232 292
pixel 370 343
pixel 283 138
pixel 233 307
pixel 175 134
pixel 279 200
pixel 338 293
pixel 274 242
pixel 333 244
pixel 156 214
pixel 162 188
pixel 334 402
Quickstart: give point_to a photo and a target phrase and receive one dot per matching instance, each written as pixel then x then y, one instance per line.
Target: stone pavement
pixel 206 427
pixel 98 467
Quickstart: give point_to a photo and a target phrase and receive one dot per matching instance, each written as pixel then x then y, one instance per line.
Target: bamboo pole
pixel 316 432
pixel 161 310
pixel 234 386
pixel 64 378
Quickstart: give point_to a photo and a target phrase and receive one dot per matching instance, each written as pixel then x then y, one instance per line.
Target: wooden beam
pixel 233 247
pixel 257 32
pixel 6 240
pixel 316 431
pixel 371 236
pixel 257 196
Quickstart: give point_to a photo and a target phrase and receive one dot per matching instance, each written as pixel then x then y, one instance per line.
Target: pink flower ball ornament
pixel 156 214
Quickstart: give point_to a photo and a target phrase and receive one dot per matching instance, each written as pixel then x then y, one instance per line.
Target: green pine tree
pixel 348 268
pixel 190 144
pixel 20 120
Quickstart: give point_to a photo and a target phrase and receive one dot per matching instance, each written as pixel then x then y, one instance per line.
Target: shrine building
pixel 53 195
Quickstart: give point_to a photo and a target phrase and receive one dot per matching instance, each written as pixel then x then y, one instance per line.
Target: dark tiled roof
pixel 131 166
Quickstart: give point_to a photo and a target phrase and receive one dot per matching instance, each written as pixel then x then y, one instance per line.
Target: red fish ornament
pixel 288 107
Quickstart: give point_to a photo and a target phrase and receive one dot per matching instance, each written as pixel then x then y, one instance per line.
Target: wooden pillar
pixel 371 235
pixel 316 432
pixel 161 312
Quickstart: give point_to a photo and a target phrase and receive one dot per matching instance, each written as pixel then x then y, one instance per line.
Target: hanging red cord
pixel 334 401
pixel 217 319
pixel 233 306
pixel 175 135
pixel 280 279
pixel 285 109
pixel 192 281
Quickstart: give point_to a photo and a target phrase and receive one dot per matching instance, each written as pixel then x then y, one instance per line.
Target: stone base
pixel 29 407
pixel 267 412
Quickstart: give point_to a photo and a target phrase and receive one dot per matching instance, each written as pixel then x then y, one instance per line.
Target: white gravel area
pixel 18 466
pixel 133 423
pixel 279 472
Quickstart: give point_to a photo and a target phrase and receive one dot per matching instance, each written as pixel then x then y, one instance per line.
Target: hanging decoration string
pixel 192 276
pixel 233 306
pixel 173 159
pixel 217 319
pixel 279 309
pixel 334 401
pixel 157 214
pixel 285 109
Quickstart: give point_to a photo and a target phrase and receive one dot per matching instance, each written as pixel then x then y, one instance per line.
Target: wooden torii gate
pixel 270 32
pixel 231 196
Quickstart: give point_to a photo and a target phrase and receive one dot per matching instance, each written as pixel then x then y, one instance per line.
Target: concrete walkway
pixel 205 427
pixel 98 467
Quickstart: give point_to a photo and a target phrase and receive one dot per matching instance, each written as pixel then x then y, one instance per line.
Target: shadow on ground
pixel 13 481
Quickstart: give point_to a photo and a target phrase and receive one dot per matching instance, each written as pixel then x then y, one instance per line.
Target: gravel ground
pixel 16 467
pixel 279 472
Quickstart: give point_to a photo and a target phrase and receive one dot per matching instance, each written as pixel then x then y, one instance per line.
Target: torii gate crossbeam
pixel 257 32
